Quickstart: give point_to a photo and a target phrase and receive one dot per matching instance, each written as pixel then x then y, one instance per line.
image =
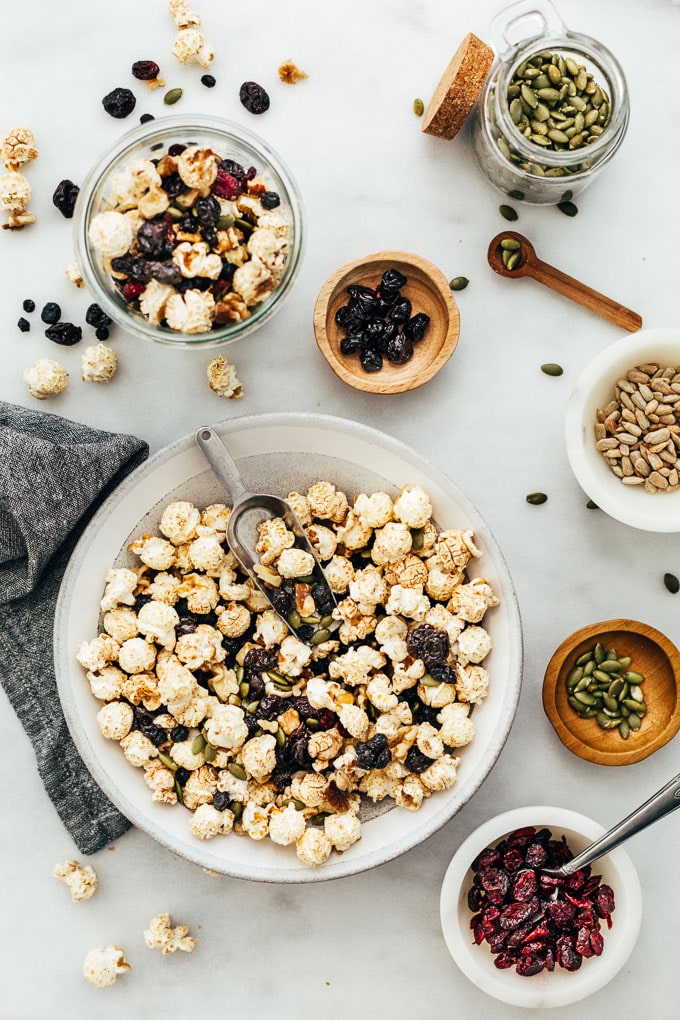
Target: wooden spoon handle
pixel 583 295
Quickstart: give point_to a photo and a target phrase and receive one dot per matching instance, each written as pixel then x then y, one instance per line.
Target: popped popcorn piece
pixel 356 665
pixel 138 749
pixel 98 363
pixel 471 601
pixel 73 273
pixel 327 744
pixel 436 697
pixel 454 549
pixel 111 233
pixel 157 622
pixel 182 754
pixel 178 522
pixel 440 584
pixel 207 822
pixel 410 793
pixel 300 508
pixel 406 676
pixel 457 729
pixel 159 935
pixel 121 624
pixel 409 602
pixel 234 620
pixel 182 14
pixel 45 378
pixel 259 756
pixel 226 728
pixel 153 300
pixel 176 684
pixel 197 166
pixel 413 507
pixel 101 966
pixel 295 563
pixel 115 720
pixel 255 819
pixel 161 782
pixel 222 378
pixel 15 192
pixel 191 46
pixel 106 683
pixel 267 247
pixel 354 534
pixel 270 630
pixel 200 787
pixel 216 516
pixel 391 543
pixel 253 281
pixel 190 312
pixel 18 147
pixel 223 682
pixel 120 587
pixel 368 587
pixel 136 655
pixel 207 554
pixel 81 880
pixel 474 644
pixel 310 788
pixel 273 537
pixel 429 741
pixel 98 652
pixel 293 656
pixel 390 628
pixel 322 540
pixel 343 830
pixel 441 774
pixel 410 572
pixel 339 573
pixel 380 693
pixel 314 847
pixel 201 592
pixel 156 552
pixel 286 826
pixel 374 511
pixel 326 503
pixel 472 683
pixel 355 721
pixel 376 785
pixel 195 260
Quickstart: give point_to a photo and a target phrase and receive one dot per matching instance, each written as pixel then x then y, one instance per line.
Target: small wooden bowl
pixel 654 656
pixel 428 291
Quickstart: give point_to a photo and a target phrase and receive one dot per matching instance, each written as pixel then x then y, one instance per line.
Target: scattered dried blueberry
pixel 24 325
pixel 51 312
pixel 178 734
pixel 64 197
pixel 253 97
pixel 28 305
pixel 146 117
pixel 96 316
pixel 119 103
pixel 208 80
pixel 181 775
pixel 64 333
pixel 102 333
pixel 373 753
pixel 270 200
pixel 416 761
pixel 176 149
pixel 145 70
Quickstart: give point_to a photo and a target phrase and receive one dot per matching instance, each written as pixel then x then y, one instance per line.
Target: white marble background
pixel 369 945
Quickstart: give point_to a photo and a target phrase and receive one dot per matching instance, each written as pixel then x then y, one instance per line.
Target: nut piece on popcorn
pixel 81 880
pixel 101 967
pixel 159 935
pixel 223 380
pixel 15 194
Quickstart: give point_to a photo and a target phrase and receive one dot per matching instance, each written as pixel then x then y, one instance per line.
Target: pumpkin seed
pixel 173 96
pixel 210 753
pixel 610 703
pixel 616 687
pixel 294 619
pixel 237 771
pixel 459 283
pixel 310 619
pixel 672 583
pixel 517 195
pixel 253 707
pixel 510 244
pixel 236 808
pixel 568 208
pixel 320 818
pixel 312 724
pixel 320 636
pixel 624 729
pixel 167 761
pixel 598 653
pixel 577 706
pixel 636 693
pixel 198 743
pixel 243 690
pixel 280 737
pixel 634 721
pixel 589 667
pixel 610 666
pixel 574 676
pixel 592 506
pixel 178 791
pixel 583 659
pixel 585 698
pixel 536 498
pixel 550 368
pixel 508 213
pixel 513 261
pixel 599 674
pixel 429 681
pixel 326 621
pixel 225 221
pixel 625 661
pixel 417 539
pixel 239 673
pixel 418 107
pixel 633 678
pixel 279 679
pixel 175 213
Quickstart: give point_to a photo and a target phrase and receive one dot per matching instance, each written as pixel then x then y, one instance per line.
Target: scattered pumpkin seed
pixel 310 619
pixel 173 96
pixel 320 636
pixel 508 213
pixel 592 506
pixel 551 368
pixel 459 283
pixel 326 621
pixel 243 690
pixel 252 707
pixel 225 221
pixel 568 208
pixel 210 753
pixel 237 771
pixel 418 107
pixel 417 538
pixel 429 681
pixel 517 195
pixel 294 619
pixel 239 673
pixel 198 743
pixel 536 498
pixel 672 583
pixel 178 791
pixel 280 737
pixel 167 761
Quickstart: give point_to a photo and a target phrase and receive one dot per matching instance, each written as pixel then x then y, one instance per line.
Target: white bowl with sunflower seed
pixel 276 453
pixel 622 430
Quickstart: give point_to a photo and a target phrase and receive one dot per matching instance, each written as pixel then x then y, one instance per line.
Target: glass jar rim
pixel 157 131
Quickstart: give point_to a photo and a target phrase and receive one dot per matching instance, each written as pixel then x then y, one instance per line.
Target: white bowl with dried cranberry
pixel 630 504
pixel 560 986
pixel 189 231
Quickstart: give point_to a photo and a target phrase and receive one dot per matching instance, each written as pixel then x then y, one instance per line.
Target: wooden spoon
pixel 530 265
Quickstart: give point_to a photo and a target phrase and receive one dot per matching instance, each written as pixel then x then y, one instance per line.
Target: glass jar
pixel 519 167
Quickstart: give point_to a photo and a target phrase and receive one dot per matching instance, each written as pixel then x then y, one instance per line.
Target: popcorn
pixel 161 782
pixel 73 273
pixel 234 620
pixel 429 742
pixel 159 935
pixel 327 744
pixel 153 299
pixel 255 819
pixel 98 364
pixel 101 967
pixel 136 655
pixel 96 654
pixel 121 624
pixel 409 602
pixel 191 46
pixel 474 644
pixel 185 758
pixel 310 788
pixel 392 543
pixel 326 503
pixel 176 684
pixel 300 508
pixel 111 234
pixel 410 793
pixel 295 563
pixel 200 787
pixel 471 601
pixel 472 683
pixel 15 193
pixel 115 720
pixel 138 749
pixel 253 282
pixel 106 684
pixel 368 587
pixel 195 260
pixel 339 573
pixel 259 756
pixel 81 880
pixel 207 554
pixel 454 549
pixel 197 166
pixel 322 540
pixel 208 822
pixel 410 572
pixel 342 830
pixel 17 148
pixel 286 827
pixel 273 537
pixel 222 376
pixel 45 378
pixel 457 729
pixel 356 665
pixel 380 693
pixel 440 584
pixel 155 552
pixel 314 847
pixel 293 656
pixel 268 248
pixel 413 507
pixel 441 774
pixel 190 312
pixel 354 534
pixel 120 587
pixel 200 592
pixel 178 522
pixel 226 728
pixel 270 630
pixel 373 511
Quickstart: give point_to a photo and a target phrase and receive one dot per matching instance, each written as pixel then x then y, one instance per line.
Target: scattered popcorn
pixel 80 879
pixel 73 273
pixel 17 148
pixel 45 379
pixel 98 363
pixel 413 507
pixel 159 935
pixel 223 380
pixel 15 194
pixel 101 967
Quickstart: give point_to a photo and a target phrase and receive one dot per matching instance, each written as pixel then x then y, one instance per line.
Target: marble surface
pixel 370 180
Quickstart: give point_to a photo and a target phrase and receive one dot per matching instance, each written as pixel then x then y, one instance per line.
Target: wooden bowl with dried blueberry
pixel 386 323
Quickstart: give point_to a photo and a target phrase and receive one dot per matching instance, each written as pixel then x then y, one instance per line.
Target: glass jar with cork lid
pixel 553 110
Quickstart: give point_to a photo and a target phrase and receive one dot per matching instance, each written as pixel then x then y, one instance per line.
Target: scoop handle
pixel 583 295
pixel 664 801
pixel 221 462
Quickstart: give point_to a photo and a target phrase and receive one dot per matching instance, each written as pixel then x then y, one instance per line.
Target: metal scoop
pixel 250 509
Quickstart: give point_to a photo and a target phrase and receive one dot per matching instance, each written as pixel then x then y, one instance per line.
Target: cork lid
pixel 459 88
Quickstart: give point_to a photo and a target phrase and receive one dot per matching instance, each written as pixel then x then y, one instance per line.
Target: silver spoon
pixel 664 801
pixel 250 509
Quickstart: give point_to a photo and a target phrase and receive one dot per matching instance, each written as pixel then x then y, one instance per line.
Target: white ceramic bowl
pixel 276 453
pixel 559 987
pixel 628 504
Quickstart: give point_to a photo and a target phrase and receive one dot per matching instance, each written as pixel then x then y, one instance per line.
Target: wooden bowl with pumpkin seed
pixel 610 692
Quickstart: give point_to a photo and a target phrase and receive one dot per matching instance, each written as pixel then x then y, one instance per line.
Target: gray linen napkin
pixel 54 474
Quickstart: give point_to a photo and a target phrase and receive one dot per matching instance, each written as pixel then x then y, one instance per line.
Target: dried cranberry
pixel 475 898
pixel 226 186
pixel 271 706
pixel 135 268
pixel 283 601
pixel 548 883
pixel 596 943
pixel 429 644
pixel 558 853
pixel 270 200
pixel 233 168
pixel 253 97
pixel 28 305
pixel 566 955
pixel 51 312
pixel 521 837
pixel 486 859
pixel 64 333
pixel 416 327
pixel 64 197
pixel 221 800
pixel 604 901
pixel 582 943
pixel 505 960
pixel 527 966
pixel 399 350
pixel 519 935
pixel 496 883
pixel 373 333
pixel 561 914
pixel 515 914
pixel 392 281
pixel 361 297
pixel 586 919
pixel 145 70
pixel 119 103
pixel 512 860
pixel 536 855
pixel 524 888
pixel 179 733
pixel 497 941
pixel 259 660
pixel 373 753
pixel 294 751
pixel 327 719
pixel 303 708
pixel 132 290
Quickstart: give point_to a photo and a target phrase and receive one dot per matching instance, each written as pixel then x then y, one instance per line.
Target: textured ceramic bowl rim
pixel 201 854
pixel 125 149
pixel 628 504
pixel 544 990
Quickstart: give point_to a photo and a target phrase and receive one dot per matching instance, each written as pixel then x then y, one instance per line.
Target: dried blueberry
pixel 166 272
pixel 373 753
pixel 186 625
pixel 178 734
pixel 371 361
pixel 392 280
pixel 96 316
pixel 145 70
pixel 177 149
pixel 102 333
pixel 305 631
pixel 146 117
pixel 119 103
pixel 207 210
pixel 51 312
pixel 221 800
pixel 64 333
pixel 399 350
pixel 401 310
pixel 64 197
pixel 23 324
pixel 181 775
pixel 209 235
pixel 208 80
pixel 28 305
pixel 270 706
pixel 323 599
pixel 440 671
pixel 259 660
pixel 253 97
pixel 351 344
pixel 416 761
pixel 416 327
pixel 232 168
pixel 173 185
pixel 270 200
pixel 429 644
pixel 135 268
